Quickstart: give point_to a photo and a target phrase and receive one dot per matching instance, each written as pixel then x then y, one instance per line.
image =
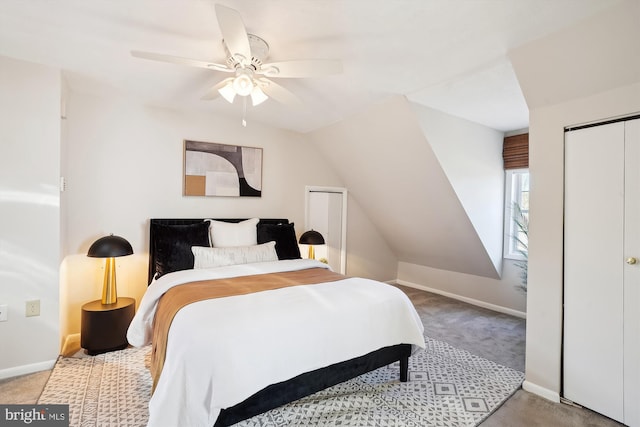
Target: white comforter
pixel 221 351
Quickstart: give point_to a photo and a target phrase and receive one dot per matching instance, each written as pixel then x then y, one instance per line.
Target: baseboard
pixel 468 300
pixel 26 369
pixel 541 391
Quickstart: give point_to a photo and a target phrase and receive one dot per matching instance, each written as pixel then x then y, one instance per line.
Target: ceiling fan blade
pixel 213 93
pixel 234 33
pixel 304 68
pixel 279 93
pixel 181 61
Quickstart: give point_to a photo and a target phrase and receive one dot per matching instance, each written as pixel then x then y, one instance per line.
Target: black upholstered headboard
pixel 189 221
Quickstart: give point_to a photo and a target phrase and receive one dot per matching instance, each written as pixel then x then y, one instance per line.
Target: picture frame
pixel 222 170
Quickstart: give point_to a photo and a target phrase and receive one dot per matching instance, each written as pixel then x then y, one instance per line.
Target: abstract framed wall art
pixel 212 169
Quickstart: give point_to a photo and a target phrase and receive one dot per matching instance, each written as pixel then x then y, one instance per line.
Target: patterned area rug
pixel 111 389
pixel 447 387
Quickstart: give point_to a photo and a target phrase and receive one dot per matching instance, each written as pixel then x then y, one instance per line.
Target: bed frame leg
pixel 404 369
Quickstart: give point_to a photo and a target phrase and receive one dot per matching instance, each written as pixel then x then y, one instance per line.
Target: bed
pixel 232 357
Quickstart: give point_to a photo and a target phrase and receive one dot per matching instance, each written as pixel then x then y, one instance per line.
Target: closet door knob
pixel 631 260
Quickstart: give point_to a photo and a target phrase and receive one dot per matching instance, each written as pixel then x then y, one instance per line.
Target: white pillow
pixel 205 257
pixel 233 234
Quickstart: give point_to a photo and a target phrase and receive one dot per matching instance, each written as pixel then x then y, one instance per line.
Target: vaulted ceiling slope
pixel 594 55
pixel 392 171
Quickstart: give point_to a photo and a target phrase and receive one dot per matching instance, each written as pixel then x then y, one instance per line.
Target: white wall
pixel 124 165
pixel 544 305
pixel 30 207
pixel 471 156
pixel 368 253
pixel 389 167
pixel 504 295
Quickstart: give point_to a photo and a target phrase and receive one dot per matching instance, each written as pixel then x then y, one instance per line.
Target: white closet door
pixel 593 268
pixel 632 275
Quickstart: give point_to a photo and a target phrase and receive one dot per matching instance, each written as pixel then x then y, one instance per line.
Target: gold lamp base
pixel 312 252
pixel 109 292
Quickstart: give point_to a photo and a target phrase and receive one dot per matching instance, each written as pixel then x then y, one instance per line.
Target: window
pixel 516 213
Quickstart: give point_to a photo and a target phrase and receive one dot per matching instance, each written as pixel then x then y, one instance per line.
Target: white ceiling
pixel 450 55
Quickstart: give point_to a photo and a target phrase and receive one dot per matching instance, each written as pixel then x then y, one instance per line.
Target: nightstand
pixel 104 327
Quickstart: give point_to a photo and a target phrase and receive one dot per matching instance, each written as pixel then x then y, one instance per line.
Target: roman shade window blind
pixel 515 151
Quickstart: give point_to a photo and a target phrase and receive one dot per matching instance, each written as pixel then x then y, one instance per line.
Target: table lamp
pixel 311 238
pixel 110 247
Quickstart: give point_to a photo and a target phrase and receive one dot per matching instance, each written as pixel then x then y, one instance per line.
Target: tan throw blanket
pixel 179 296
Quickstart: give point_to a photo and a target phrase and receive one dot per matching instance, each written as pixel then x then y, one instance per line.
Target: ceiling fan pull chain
pixel 244 111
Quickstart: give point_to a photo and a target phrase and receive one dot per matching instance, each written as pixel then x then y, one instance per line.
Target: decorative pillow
pixel 206 257
pixel 285 237
pixel 233 234
pixel 172 245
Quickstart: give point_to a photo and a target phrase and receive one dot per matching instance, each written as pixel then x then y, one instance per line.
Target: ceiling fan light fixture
pixel 243 84
pixel 258 96
pixel 245 60
pixel 227 91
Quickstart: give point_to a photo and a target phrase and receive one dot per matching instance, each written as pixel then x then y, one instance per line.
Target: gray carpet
pixel 448 387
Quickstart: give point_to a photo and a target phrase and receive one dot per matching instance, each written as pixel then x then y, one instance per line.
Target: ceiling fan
pixel 245 55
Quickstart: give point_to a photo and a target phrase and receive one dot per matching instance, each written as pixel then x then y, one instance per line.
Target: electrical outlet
pixel 4 311
pixel 33 308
